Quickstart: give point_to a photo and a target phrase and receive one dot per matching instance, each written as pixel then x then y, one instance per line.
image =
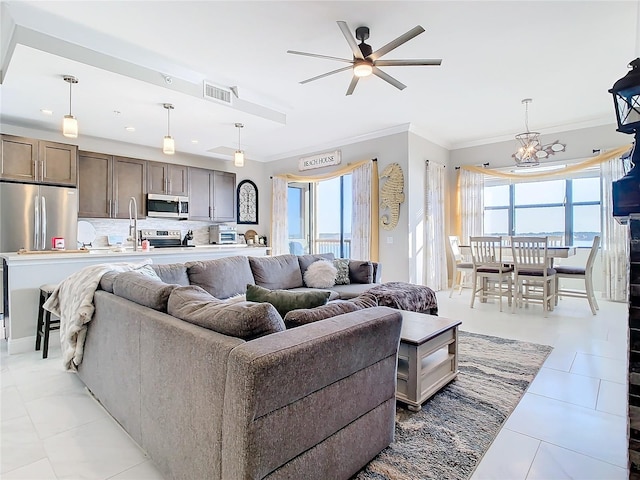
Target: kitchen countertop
pixel 111 253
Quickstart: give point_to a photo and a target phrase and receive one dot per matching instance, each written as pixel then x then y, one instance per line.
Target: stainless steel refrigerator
pixel 32 215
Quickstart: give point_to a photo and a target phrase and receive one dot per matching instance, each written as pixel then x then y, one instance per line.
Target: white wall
pixel 400 248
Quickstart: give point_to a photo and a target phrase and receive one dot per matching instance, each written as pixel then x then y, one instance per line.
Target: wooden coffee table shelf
pixel 427 357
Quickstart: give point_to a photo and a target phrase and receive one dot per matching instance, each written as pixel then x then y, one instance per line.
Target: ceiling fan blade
pixel 352 85
pixel 350 40
pixel 388 78
pixel 320 56
pixel 403 63
pixel 415 31
pixel 325 74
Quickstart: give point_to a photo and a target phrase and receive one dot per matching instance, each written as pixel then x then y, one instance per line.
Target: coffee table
pixel 427 357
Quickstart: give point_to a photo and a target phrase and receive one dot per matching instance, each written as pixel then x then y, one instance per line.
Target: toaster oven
pixel 223 234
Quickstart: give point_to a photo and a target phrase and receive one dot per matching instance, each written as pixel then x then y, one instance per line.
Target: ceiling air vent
pixel 216 93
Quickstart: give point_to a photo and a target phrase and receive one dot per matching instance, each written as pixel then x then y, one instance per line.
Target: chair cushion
pixel 568 270
pixel 536 273
pixel 494 270
pixel 464 265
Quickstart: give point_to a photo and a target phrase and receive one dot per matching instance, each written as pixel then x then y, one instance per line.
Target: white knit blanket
pixel 72 301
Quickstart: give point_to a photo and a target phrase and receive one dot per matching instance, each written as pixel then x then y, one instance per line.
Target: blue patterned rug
pixel 449 436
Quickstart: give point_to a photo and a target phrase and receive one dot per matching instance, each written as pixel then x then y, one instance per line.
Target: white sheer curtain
pixel 435 255
pixel 361 212
pixel 471 204
pixel 279 224
pixel 615 242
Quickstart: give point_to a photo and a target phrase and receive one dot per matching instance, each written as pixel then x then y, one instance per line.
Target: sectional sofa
pixel 227 391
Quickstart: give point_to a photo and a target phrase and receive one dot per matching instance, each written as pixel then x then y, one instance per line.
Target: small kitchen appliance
pixel 223 233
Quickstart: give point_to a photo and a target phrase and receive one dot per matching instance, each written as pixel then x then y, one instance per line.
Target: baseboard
pixel 21 345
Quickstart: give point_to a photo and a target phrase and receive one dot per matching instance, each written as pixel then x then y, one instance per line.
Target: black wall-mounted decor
pixel 247 203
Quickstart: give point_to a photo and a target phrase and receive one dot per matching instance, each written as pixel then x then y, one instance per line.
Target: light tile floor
pixel 571 423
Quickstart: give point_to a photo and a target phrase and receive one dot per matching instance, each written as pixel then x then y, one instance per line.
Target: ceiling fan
pixel 365 61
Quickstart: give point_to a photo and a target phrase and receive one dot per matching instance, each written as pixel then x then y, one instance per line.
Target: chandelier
pixel 531 150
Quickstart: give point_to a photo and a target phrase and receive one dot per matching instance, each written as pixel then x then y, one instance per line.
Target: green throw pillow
pixel 284 300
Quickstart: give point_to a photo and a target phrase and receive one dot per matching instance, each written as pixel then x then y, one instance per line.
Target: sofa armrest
pixel 289 391
pixel 377 272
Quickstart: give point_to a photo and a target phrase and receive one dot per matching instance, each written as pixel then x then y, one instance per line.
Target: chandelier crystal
pixel 531 150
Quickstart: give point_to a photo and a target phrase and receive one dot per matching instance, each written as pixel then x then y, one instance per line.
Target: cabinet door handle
pixel 210 212
pixel 41 169
pixel 168 186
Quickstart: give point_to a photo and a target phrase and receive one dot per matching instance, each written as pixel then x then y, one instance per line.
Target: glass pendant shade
pixel 238 158
pixel 70 126
pixel 168 145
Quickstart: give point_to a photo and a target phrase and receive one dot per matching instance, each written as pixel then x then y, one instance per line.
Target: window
pixel 319 217
pixel 569 208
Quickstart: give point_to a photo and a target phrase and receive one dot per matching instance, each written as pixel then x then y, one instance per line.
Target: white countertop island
pixel 25 273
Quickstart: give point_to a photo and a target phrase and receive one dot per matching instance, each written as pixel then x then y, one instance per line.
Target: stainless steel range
pixel 163 238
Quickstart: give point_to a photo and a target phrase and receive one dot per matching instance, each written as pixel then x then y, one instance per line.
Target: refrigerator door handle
pixel 43 245
pixel 36 222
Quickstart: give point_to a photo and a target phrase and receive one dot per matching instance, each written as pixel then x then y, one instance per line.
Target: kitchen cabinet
pixel 38 161
pixel 168 179
pixel 106 183
pixel 212 195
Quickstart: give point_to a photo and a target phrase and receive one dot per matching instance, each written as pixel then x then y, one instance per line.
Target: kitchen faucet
pixel 133 222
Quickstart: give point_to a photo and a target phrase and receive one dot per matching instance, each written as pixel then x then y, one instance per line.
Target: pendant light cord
pixel 70 98
pixel 168 122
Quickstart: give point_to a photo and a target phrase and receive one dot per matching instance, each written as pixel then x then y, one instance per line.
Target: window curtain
pixel 279 223
pixel 366 178
pixel 615 243
pixel 435 255
pixel 361 211
pixel 471 204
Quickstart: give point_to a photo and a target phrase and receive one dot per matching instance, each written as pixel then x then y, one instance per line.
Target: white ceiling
pixel 564 55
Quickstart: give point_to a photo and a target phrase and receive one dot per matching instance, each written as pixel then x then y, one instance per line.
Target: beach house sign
pixel 319 160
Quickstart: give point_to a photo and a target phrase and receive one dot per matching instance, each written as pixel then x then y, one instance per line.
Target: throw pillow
pixel 361 271
pixel 246 320
pixel 295 318
pixel 342 266
pixel 320 274
pixel 284 300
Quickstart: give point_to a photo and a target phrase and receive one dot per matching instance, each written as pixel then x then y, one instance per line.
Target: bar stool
pixel 45 324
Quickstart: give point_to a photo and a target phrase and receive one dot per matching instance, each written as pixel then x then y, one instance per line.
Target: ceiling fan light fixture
pixel 362 69
pixel 69 122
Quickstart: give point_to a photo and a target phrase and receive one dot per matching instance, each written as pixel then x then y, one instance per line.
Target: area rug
pixel 449 436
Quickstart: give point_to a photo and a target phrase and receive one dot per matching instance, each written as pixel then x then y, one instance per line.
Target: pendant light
pixel 69 122
pixel 238 157
pixel 168 145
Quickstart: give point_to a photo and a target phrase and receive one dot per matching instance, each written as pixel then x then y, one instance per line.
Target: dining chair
pixel 581 273
pixel 534 279
pixel 555 240
pixel 461 268
pixel 488 267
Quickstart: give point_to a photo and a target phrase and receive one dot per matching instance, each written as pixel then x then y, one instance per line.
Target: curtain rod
pixel 483 164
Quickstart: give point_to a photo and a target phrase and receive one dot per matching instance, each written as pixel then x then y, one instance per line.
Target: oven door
pixel 228 236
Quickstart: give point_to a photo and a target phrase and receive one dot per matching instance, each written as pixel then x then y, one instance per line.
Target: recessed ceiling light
pixel 130 129
pixel 194 141
pixel 46 111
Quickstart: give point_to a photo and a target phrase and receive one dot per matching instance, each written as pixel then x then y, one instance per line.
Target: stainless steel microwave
pixel 167 206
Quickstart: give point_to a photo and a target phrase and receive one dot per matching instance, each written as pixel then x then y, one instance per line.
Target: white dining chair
pixel 461 268
pixel 534 279
pixel 488 267
pixel 581 273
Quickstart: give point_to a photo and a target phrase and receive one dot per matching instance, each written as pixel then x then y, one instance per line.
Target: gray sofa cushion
pixel 175 273
pixel 305 260
pixel 143 289
pixel 352 290
pixel 279 272
pixel 285 300
pixel 360 271
pixel 295 318
pixel 222 277
pixel 106 281
pixel 246 320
